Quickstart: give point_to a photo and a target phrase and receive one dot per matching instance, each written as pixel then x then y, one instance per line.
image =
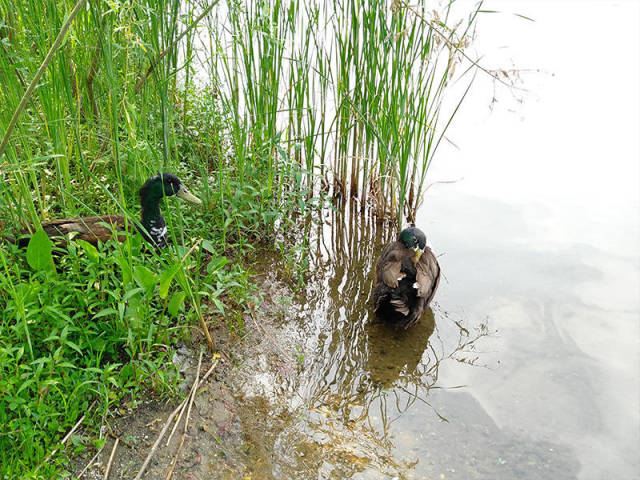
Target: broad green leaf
pixel 90 250
pixel 217 264
pixel 104 313
pixel 208 246
pixel 219 305
pixel 165 280
pixel 69 343
pixel 39 251
pixel 176 302
pixel 144 277
pixel 25 385
pixel 131 293
pixel 127 274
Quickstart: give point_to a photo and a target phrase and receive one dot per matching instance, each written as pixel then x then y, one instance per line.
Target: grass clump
pixel 97 327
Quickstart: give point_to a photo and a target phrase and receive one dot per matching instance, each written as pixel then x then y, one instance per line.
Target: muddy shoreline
pixel 219 442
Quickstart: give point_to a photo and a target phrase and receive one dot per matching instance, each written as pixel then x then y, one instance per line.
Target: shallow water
pixel 528 366
pixel 368 401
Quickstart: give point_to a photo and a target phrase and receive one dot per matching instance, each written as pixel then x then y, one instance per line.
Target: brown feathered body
pixel 405 284
pixel 90 229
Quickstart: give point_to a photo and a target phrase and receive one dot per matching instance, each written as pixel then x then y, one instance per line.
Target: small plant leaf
pixel 165 280
pixel 208 246
pixel 39 252
pixel 104 313
pixel 90 250
pixel 219 305
pixel 216 264
pixel 77 440
pixel 176 302
pixel 144 277
pixel 127 273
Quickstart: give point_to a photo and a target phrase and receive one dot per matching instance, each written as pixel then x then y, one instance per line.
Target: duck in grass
pixel 407 277
pixel 101 228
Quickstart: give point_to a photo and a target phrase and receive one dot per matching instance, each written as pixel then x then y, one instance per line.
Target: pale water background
pixel 543 232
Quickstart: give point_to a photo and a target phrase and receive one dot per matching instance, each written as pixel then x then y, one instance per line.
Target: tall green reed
pixel 355 92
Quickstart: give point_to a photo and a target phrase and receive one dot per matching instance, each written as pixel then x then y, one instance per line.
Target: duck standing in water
pixel 407 277
pixel 154 231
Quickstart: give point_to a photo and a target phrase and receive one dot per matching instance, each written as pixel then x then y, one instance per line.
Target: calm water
pixel 538 240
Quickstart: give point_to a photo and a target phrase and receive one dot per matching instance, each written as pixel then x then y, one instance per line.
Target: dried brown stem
pixel 91 461
pixel 175 425
pixel 113 453
pixel 186 421
pixel 451 45
pixel 175 459
pixel 203 324
pixel 168 422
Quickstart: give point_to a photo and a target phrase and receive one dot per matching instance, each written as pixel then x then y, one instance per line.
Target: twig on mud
pixel 168 422
pixel 113 453
pixel 191 393
pixel 175 425
pixel 186 421
pixel 175 459
pixel 276 344
pixel 193 396
pixel 91 461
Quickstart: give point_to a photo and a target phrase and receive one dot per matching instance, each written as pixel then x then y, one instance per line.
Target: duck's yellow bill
pixel 186 195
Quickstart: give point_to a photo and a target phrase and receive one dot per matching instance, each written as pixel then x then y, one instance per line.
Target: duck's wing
pixel 427 275
pixel 388 269
pixel 90 229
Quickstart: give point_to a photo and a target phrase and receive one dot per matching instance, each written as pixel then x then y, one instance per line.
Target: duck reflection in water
pixel 395 353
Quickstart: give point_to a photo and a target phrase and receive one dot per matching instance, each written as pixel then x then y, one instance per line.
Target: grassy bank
pixel 262 110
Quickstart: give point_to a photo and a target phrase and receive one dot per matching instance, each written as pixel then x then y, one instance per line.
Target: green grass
pixel 263 109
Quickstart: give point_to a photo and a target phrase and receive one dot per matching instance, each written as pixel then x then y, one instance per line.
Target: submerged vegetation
pixel 265 110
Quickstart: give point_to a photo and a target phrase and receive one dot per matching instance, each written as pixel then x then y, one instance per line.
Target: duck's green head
pixel 414 239
pixel 165 185
pixel 162 185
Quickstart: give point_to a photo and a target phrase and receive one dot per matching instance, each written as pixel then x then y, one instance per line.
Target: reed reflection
pixel 358 375
pixel 361 374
